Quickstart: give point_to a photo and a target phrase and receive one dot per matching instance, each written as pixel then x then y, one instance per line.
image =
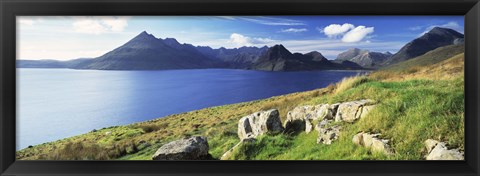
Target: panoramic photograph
pixel 240 88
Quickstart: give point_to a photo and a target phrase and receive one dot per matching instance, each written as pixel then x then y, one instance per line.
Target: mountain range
pixel 146 52
pixel 364 58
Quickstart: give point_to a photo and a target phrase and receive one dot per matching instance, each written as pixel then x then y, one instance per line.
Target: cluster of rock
pixel 321 118
pixel 373 142
pixel 303 118
pixel 438 151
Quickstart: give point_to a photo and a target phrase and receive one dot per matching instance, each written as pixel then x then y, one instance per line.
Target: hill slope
pixel 431 57
pixel 401 116
pixel 437 37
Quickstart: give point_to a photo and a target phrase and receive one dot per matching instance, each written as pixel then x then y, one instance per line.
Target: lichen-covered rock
pixel 351 111
pixel 325 111
pixel 259 123
pixel 373 142
pixel 438 151
pixel 194 148
pixel 308 126
pixel 301 118
pixel 327 135
pixel 295 121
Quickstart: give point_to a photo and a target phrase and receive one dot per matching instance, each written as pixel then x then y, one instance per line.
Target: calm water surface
pixel 57 103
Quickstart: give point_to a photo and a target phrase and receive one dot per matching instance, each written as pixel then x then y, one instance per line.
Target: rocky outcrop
pixel 326 134
pixel 194 148
pixel 438 151
pixel 373 142
pixel 351 111
pixel 259 123
pixel 301 118
pixel 309 118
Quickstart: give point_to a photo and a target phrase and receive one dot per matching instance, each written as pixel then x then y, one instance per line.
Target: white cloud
pixel 99 25
pixel 294 30
pixel 334 30
pixel 347 31
pixel 88 26
pixel 357 34
pixel 451 25
pixel 241 40
pixel 116 24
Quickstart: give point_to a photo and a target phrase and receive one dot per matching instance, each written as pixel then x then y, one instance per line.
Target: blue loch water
pixel 57 103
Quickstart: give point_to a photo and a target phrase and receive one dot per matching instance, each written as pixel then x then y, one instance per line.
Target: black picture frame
pixel 9 9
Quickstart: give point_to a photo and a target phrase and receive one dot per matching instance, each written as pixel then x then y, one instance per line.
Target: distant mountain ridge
pixel 145 52
pixel 278 58
pixel 364 58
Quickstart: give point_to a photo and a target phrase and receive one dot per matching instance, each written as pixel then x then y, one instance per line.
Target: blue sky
pixel 65 38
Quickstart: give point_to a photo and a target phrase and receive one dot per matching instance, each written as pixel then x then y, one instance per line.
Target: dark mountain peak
pixel 171 40
pixel 445 31
pixel 437 37
pixel 279 46
pixel 314 53
pixel 316 56
pixel 279 51
pixel 144 35
pixel 144 40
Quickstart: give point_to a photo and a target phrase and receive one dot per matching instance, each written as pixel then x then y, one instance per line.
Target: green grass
pixel 408 113
pixel 412 107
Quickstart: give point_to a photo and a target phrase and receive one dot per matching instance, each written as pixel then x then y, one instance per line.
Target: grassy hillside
pixel 414 105
pixel 429 58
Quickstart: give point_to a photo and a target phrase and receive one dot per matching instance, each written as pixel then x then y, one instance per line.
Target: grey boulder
pixel 259 123
pixel 439 151
pixel 194 148
pixel 351 111
pixel 373 142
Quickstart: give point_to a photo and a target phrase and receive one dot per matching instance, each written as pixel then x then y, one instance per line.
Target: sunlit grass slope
pixel 413 105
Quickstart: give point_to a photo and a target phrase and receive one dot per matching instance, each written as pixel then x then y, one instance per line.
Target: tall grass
pixel 350 82
pixel 408 113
